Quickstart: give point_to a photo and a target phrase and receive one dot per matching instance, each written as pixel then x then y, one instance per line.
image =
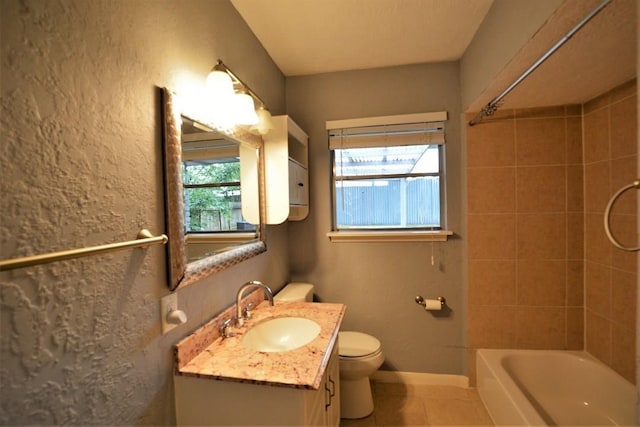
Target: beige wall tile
pixel 596 136
pixel 491 144
pixel 598 335
pixel 596 181
pixel 574 140
pixel 575 328
pixel 557 111
pixel 596 245
pixel 623 358
pixel 598 289
pixel 575 188
pixel 492 326
pixel 541 236
pixel 624 128
pixel 492 282
pixel 542 282
pixel 471 366
pixel 624 229
pixel 623 172
pixel 575 283
pixel 624 291
pixel 540 141
pixel 575 236
pixel 541 189
pixel 491 236
pixel 563 242
pixel 491 190
pixel 541 328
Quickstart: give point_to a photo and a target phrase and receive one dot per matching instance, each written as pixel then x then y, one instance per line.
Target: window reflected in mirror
pixel 212 192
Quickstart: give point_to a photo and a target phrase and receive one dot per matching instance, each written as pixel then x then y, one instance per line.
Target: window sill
pixel 389 236
pixel 231 238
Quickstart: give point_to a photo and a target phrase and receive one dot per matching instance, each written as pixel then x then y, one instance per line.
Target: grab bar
pixel 607 217
pixel 144 238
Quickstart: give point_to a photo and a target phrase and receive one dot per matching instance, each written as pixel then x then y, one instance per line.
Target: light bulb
pixel 219 96
pixel 245 113
pixel 219 84
pixel 265 124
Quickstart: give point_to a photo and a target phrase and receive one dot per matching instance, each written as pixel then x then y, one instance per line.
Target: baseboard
pixel 418 378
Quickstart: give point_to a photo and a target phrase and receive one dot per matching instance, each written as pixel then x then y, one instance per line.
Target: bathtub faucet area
pixel 242 314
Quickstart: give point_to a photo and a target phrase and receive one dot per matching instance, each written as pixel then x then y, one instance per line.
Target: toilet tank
pixel 295 292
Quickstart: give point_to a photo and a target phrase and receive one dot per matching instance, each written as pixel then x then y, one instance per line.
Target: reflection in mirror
pixel 212 193
pixel 213 203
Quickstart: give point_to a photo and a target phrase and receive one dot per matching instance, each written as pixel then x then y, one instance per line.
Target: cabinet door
pixel 298 184
pixel 333 389
pixel 315 407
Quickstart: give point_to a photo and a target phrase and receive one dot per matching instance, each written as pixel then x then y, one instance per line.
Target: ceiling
pixel 311 37
pixel 318 36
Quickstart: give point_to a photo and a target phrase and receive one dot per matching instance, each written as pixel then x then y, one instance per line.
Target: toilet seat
pixel 355 345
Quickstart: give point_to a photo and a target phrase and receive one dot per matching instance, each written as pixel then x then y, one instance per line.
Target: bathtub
pixel 547 387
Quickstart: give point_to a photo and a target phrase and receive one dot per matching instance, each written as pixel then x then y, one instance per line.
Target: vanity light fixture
pixel 233 103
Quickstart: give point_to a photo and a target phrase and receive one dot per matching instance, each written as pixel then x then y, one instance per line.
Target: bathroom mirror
pixel 213 194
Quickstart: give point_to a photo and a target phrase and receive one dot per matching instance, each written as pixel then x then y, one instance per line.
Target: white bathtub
pixel 547 387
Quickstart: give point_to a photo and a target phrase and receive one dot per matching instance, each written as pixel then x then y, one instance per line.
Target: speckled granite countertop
pixel 206 354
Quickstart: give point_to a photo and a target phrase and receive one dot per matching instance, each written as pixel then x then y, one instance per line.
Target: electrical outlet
pixel 167 305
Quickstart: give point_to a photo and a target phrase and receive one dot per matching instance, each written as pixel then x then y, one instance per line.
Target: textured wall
pixel 378 281
pixel 80 164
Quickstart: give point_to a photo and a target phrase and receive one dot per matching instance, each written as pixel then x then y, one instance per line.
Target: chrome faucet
pixel 240 316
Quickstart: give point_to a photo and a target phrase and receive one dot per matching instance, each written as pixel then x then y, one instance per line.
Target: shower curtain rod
pixel 493 105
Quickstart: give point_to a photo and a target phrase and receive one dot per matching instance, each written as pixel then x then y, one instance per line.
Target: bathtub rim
pixel 515 408
pixel 504 408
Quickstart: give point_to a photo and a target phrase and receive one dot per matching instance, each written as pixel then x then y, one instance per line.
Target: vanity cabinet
pixel 206 401
pixel 286 171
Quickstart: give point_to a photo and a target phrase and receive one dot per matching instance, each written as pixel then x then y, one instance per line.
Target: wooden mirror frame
pixel 180 272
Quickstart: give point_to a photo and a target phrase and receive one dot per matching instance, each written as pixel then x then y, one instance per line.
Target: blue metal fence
pixel 389 203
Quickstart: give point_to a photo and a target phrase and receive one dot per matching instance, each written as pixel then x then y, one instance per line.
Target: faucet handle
pixel 247 311
pixel 226 330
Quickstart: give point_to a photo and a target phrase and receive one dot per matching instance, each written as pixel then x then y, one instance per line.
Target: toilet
pixel 360 356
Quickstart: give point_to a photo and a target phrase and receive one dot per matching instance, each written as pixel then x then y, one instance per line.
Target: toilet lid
pixel 356 344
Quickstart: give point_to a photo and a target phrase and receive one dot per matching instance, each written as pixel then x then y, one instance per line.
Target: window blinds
pixel 408 129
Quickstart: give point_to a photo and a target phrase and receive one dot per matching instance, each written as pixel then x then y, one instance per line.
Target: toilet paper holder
pixel 431 304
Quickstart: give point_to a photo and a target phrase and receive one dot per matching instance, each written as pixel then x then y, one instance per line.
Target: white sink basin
pixel 281 334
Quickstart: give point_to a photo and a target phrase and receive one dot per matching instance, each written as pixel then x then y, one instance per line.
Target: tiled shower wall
pixel 610 162
pixel 528 209
pixel 525 220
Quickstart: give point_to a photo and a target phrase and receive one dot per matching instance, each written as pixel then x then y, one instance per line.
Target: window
pixel 388 177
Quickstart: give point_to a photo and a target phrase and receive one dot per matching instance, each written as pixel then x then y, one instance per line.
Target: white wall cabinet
pixel 205 401
pixel 286 171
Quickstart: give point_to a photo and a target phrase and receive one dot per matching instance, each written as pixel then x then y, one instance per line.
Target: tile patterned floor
pixel 421 405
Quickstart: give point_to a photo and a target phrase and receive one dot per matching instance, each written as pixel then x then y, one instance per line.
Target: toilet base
pixel 356 400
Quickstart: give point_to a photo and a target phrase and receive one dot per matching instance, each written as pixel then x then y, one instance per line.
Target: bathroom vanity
pixel 223 381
